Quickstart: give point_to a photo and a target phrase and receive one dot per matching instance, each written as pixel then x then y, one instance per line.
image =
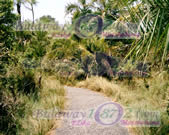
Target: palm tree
pixel 107 8
pixel 154 29
pixel 78 9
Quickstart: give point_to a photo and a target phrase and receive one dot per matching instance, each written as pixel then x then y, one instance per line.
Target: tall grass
pixel 100 84
pixel 155 97
pixel 51 96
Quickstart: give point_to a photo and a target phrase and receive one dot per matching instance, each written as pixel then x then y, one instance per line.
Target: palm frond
pixel 154 27
pixel 82 2
pixel 70 8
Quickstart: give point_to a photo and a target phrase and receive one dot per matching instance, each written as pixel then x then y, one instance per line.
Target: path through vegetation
pixel 80 100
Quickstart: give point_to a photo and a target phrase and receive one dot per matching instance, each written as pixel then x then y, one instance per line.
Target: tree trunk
pixel 33 14
pixel 19 12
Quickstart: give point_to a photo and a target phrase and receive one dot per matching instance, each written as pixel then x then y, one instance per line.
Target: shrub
pixel 11 112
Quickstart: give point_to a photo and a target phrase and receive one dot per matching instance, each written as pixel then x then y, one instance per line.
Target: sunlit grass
pixel 149 94
pixel 51 96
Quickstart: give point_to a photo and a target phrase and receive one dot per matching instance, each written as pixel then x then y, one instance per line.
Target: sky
pixel 55 8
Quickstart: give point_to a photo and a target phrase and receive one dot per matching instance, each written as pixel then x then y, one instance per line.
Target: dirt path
pixel 83 100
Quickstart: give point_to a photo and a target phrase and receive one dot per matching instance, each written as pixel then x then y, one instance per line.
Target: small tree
pixel 31 8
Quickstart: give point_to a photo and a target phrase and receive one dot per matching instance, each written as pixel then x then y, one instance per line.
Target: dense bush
pixel 65 49
pixel 36 47
pixel 7 20
pixel 16 80
pixel 11 111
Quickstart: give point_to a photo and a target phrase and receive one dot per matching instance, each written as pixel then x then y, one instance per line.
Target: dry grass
pixel 150 94
pixel 51 96
pixel 100 84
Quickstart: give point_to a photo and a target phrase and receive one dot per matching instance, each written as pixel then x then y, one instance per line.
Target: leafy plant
pixel 154 29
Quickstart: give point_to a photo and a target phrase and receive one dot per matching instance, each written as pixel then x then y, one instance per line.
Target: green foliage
pixel 12 88
pixel 65 49
pixel 15 80
pixel 95 45
pixel 7 20
pixel 36 48
pixel 164 128
pixel 13 85
pixel 26 84
pixel 46 19
pixel 81 8
pixel 154 29
pixel 73 59
pixel 11 110
pixel 107 8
